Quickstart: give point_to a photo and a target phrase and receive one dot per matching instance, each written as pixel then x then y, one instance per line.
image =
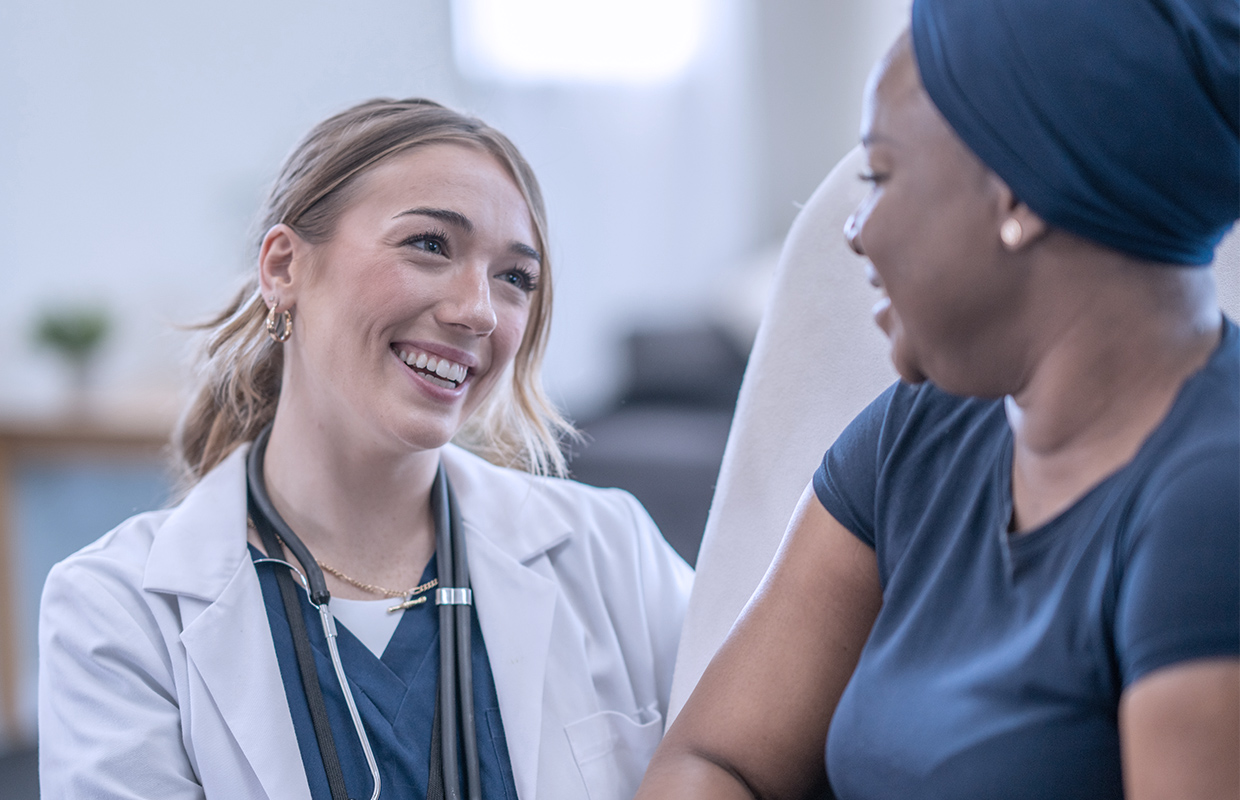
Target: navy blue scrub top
pixel 395 697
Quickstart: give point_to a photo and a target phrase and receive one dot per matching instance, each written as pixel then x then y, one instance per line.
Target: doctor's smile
pixel 438 370
pixel 400 302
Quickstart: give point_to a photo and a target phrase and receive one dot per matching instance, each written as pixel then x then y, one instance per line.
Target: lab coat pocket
pixel 612 750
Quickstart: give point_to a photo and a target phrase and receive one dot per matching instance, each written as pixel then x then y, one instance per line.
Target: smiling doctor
pixel 344 604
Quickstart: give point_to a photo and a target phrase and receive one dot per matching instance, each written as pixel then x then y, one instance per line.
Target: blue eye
pixel 521 278
pixel 434 242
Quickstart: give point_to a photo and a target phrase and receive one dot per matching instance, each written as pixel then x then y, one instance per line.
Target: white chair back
pixel 818 359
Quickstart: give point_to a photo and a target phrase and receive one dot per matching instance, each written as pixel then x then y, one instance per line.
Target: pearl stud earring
pixel 1011 232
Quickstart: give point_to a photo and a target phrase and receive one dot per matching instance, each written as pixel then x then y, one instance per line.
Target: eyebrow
pixel 446 215
pixel 456 218
pixel 525 251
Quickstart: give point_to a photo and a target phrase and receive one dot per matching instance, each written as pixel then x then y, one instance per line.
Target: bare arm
pixel 756 724
pixel 1180 732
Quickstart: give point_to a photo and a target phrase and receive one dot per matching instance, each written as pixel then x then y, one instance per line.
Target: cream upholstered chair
pixel 817 361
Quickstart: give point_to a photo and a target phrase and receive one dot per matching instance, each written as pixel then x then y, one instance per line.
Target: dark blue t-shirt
pixel 395 697
pixel 996 664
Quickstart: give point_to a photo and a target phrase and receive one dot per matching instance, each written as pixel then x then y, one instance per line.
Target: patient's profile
pixel 1015 574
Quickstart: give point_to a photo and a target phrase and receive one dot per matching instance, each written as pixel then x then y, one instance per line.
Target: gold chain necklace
pixel 371 588
pixel 382 590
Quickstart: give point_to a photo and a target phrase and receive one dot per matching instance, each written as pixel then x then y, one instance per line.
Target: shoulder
pixel 1190 493
pixel 117 558
pixel 1193 459
pixel 914 416
pixel 94 608
pixel 905 434
pixel 192 548
pixel 552 502
pixel 582 529
pixel 1179 540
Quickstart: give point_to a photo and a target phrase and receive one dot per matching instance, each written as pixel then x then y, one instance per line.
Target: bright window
pixel 609 41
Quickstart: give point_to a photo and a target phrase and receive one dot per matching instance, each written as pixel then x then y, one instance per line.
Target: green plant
pixel 75 333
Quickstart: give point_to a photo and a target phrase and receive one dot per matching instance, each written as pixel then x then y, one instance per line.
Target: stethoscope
pixel 454 705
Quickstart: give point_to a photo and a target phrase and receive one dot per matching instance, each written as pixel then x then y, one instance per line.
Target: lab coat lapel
pixel 200 556
pixel 229 644
pixel 516 607
pixel 508 535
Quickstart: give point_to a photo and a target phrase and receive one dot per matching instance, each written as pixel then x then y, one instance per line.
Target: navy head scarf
pixel 1116 120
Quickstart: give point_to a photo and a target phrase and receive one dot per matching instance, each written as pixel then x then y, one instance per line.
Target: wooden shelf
pixel 131 433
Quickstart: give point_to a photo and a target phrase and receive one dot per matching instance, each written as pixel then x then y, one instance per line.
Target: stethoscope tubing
pixel 316 590
pixel 464 660
pixel 329 630
pixel 447 648
pixel 455 631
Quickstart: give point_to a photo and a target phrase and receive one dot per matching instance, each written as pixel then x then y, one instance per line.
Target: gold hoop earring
pixel 1011 232
pixel 280 325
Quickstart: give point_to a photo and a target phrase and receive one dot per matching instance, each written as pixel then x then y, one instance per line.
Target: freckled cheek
pixel 507 337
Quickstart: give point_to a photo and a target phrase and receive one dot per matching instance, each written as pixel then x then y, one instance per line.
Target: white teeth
pixel 440 367
pixel 439 382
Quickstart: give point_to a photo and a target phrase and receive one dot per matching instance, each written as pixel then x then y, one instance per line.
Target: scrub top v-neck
pixel 395 697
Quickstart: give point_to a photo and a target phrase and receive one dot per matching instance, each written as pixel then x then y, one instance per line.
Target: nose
pixel 852 232
pixel 468 302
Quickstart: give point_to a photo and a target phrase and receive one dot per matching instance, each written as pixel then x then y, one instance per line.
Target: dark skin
pixel 1087 346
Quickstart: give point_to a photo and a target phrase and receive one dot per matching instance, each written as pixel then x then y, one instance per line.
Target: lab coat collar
pixel 505 506
pixel 200 554
pixel 248 691
pixel 509 526
pixel 206 530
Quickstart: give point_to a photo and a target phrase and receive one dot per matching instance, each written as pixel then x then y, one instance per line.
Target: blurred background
pixel 674 140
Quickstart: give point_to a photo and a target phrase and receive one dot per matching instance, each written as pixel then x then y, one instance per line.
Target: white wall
pixel 650 192
pixel 136 138
pixel 135 142
pixel 815 58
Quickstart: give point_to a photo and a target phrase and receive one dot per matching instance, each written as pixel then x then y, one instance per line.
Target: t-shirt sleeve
pixel 1179 594
pixel 846 481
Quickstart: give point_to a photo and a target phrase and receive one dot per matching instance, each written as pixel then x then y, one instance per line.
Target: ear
pixel 1018 226
pixel 282 265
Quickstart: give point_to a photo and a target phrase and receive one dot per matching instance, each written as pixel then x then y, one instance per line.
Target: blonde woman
pixel 401 301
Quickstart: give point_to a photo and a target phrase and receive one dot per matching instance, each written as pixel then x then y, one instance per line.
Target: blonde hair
pixel 240 367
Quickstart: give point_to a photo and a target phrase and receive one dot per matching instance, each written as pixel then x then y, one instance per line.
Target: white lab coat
pixel 158 677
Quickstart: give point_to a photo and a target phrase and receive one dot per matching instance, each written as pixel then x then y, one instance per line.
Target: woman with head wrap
pixel 1016 573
